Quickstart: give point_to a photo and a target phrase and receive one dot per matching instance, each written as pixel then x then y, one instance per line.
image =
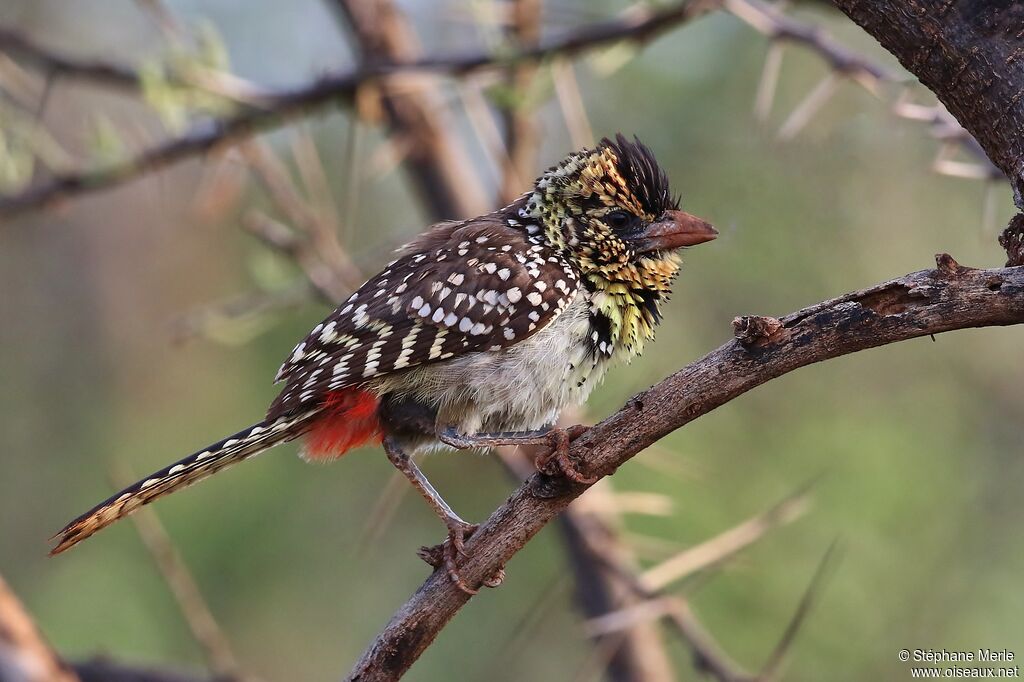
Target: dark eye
pixel 619 220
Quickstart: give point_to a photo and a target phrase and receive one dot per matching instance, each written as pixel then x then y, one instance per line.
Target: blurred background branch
pixel 639 26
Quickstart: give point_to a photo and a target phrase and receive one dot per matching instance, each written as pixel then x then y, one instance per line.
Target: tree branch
pixel 919 304
pixel 24 653
pixel 640 26
pixel 54 64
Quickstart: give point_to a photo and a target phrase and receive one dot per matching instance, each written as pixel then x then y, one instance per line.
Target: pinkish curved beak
pixel 673 230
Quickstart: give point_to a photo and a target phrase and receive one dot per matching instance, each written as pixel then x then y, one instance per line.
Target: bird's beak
pixel 673 230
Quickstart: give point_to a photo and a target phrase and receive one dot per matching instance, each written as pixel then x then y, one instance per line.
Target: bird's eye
pixel 618 220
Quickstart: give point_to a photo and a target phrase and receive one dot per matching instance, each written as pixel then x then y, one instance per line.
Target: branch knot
pixel 1012 240
pixel 755 330
pixel 947 266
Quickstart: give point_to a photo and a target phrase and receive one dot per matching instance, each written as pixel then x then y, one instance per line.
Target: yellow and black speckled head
pixel 612 214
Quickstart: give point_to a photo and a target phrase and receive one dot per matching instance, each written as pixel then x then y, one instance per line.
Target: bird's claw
pixel 557 461
pixel 449 552
pixel 496 579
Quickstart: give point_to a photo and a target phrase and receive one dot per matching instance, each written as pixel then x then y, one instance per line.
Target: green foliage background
pixel 918 445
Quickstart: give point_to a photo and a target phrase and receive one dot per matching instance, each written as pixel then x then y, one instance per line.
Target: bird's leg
pixel 458 530
pixel 409 420
pixel 553 462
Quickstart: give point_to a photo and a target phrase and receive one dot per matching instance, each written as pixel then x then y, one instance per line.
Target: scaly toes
pixel 458 533
pixel 451 565
pixel 455 549
pixel 568 468
pixel 496 579
pixel 451 551
pixel 557 461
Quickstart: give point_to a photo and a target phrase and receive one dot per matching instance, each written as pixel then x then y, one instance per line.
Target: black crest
pixel 647 180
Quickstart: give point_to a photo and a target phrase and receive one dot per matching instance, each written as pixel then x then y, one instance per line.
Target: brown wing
pixel 460 288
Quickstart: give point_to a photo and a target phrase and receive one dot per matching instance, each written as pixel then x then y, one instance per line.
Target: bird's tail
pixel 243 445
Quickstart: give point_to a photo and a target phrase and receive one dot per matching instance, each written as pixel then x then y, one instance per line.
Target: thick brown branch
pixel 919 304
pixel 638 26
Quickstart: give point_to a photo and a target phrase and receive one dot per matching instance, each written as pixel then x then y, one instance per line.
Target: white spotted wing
pixel 461 288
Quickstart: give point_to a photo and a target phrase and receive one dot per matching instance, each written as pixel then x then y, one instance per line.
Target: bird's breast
pixel 522 387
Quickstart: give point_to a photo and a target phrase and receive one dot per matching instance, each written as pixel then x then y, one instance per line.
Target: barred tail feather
pixel 242 445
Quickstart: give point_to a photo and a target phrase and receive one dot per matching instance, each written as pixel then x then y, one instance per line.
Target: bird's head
pixel 610 212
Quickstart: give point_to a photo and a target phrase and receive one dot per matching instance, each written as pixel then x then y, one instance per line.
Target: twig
pixel 919 304
pixel 809 106
pixel 238 318
pixel 708 655
pixel 769 82
pixel 189 598
pixel 102 669
pixel 295 247
pixel 773 665
pixel 55 65
pixel 280 106
pixel 724 544
pixel 845 63
pixel 24 653
pixel 593 543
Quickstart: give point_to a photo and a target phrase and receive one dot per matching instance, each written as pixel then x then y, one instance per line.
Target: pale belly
pixel 520 388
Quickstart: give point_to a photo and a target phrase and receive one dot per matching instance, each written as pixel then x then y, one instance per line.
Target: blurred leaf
pixel 607 61
pixel 169 81
pixel 17 163
pixel 105 143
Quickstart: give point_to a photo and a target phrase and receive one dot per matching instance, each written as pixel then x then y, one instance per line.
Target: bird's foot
pixel 557 461
pixel 449 553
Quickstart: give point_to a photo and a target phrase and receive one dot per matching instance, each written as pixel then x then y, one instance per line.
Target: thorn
pixel 727 544
pixel 959 169
pixel 805 111
pixel 750 15
pixel 771 667
pixel 868 81
pixel 767 86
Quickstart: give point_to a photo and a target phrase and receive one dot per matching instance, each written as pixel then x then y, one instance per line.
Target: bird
pixel 478 334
